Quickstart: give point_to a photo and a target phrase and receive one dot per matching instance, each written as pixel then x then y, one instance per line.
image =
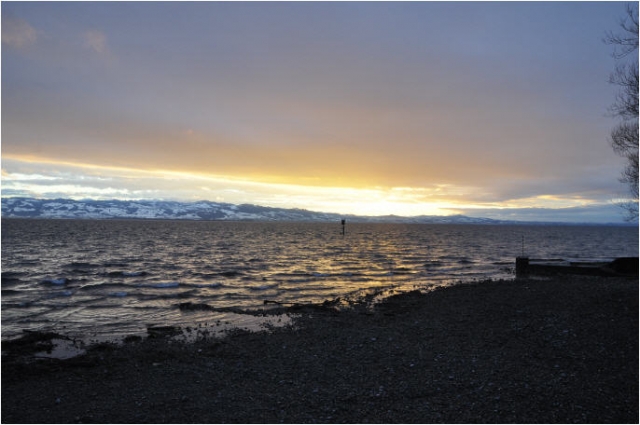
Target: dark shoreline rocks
pixel 525 351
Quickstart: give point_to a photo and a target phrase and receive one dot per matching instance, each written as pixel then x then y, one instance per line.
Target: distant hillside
pixel 201 210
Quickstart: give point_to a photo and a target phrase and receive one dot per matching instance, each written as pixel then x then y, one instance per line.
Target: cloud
pixel 96 41
pixel 50 180
pixel 96 44
pixel 17 33
pixel 323 96
pixel 600 213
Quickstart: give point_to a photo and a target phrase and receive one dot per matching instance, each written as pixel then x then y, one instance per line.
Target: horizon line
pixel 550 221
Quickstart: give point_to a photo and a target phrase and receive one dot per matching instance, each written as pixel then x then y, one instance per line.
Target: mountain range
pixel 200 210
pixel 206 210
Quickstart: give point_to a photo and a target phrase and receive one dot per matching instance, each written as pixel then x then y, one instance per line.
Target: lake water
pixel 100 278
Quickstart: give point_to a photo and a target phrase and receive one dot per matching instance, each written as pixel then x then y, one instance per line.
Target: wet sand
pixel 526 351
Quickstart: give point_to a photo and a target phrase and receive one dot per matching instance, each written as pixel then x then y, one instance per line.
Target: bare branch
pixel 627 42
pixel 624 137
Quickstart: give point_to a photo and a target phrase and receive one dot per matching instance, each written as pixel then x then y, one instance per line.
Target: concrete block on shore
pixel 624 266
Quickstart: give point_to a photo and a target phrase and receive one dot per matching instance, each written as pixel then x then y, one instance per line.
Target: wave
pixel 240 268
pixel 189 306
pixel 126 274
pixel 299 280
pixel 208 285
pixel 10 281
pixel 81 265
pixel 230 273
pixel 206 275
pixel 27 263
pixel 57 294
pixel 262 287
pixel 55 281
pixel 13 275
pixel 115 264
pixel 161 285
pixel 171 295
pixel 102 285
pixel 402 270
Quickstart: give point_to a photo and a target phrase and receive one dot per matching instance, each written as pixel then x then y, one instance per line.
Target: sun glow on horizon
pixel 41 178
pixel 50 179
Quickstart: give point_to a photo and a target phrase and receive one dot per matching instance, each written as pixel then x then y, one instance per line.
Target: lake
pixel 106 278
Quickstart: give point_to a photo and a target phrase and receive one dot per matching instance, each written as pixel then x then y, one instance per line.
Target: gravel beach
pixel 562 350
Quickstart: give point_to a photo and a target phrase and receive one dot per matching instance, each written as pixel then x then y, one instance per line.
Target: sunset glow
pixel 366 108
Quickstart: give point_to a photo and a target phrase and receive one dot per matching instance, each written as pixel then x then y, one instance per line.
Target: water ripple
pixel 95 276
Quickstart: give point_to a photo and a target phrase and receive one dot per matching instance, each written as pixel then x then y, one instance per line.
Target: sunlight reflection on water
pixel 99 278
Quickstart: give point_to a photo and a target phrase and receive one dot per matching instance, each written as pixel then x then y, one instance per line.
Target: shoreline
pixel 522 351
pixel 206 320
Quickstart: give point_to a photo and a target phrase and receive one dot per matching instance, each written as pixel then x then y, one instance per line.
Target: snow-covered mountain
pixel 201 210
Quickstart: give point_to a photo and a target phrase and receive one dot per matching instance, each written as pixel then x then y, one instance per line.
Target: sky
pixel 495 110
